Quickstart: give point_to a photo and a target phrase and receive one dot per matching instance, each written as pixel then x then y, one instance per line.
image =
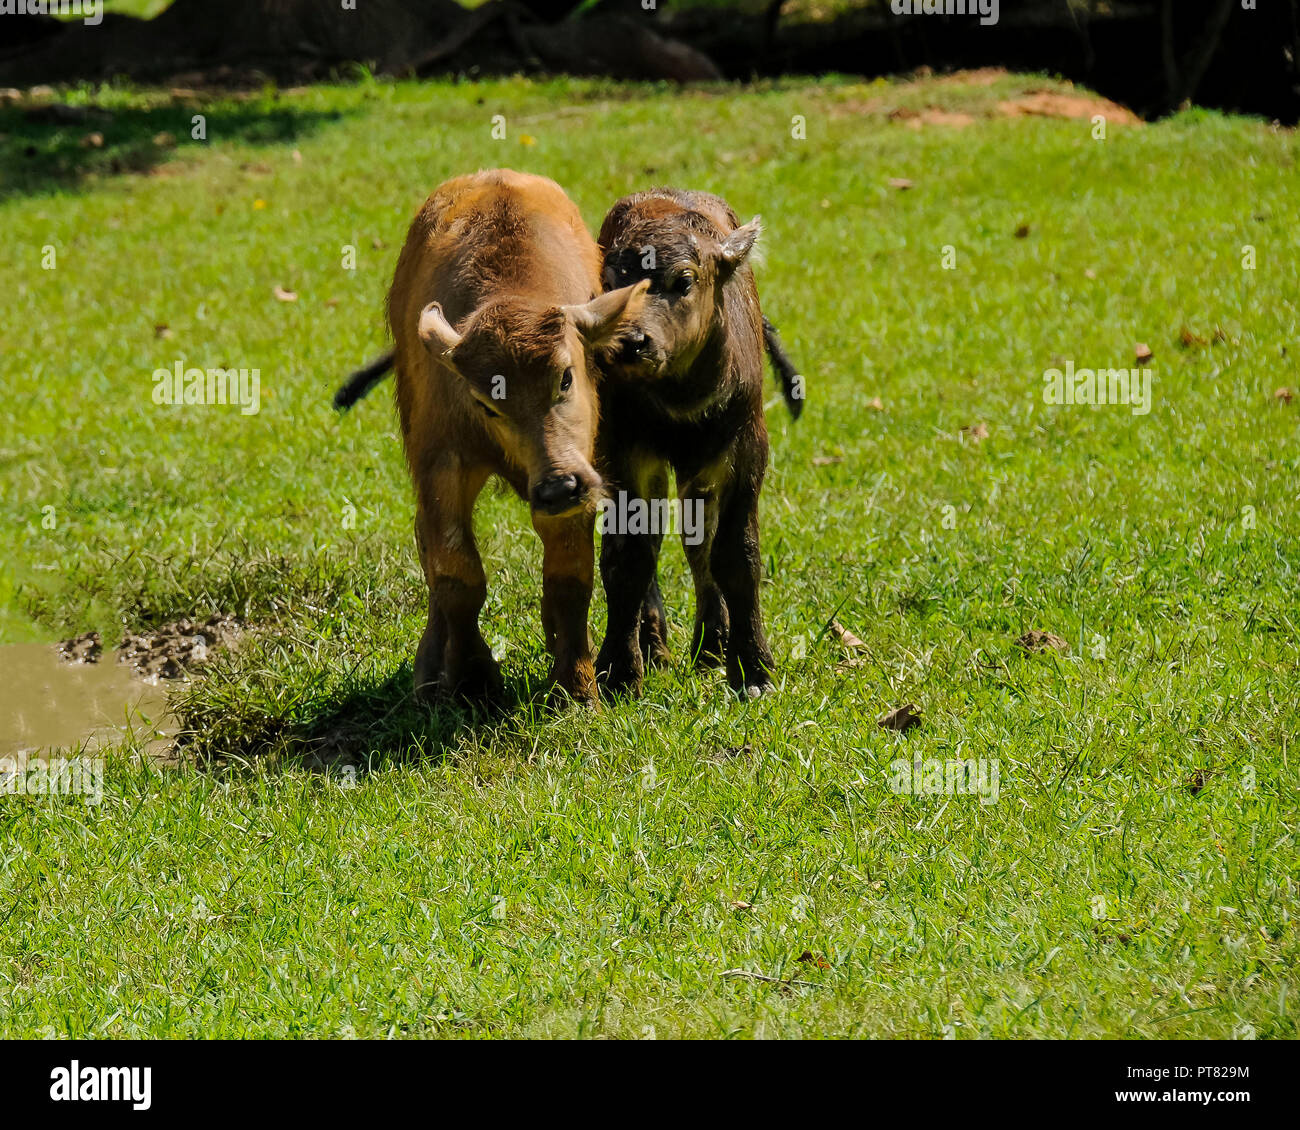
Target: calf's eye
pixel 566 381
pixel 682 283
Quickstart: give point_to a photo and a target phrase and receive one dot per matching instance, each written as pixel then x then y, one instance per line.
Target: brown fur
pixel 684 389
pixel 494 315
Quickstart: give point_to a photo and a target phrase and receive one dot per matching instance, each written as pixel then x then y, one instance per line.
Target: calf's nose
pixel 557 493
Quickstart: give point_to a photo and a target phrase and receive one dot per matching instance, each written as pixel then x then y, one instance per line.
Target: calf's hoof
pixel 751 681
pixel 574 686
pixel 475 679
pixel 622 674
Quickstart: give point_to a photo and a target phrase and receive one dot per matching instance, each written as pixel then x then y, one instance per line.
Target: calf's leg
pixel 568 571
pixel 627 568
pixel 654 626
pixel 654 620
pixel 738 566
pixel 453 657
pixel 709 636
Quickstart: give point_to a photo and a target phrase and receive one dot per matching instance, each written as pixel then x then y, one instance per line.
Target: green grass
pixel 142 9
pixel 578 874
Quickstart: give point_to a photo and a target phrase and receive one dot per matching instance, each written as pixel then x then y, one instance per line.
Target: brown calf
pixel 684 389
pixel 495 307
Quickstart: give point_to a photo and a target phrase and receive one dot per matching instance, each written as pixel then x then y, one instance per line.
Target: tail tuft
pixel 792 384
pixel 362 381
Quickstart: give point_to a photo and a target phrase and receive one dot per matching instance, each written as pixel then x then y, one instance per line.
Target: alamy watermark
pixel 987 10
pixel 955 776
pixel 90 11
pixel 59 776
pixel 628 514
pixel 76 1083
pixel 179 385
pixel 1099 387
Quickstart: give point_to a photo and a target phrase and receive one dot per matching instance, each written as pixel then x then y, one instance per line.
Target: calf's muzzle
pixel 558 494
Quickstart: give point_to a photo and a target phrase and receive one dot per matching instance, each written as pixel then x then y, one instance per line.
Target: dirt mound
pixel 166 652
pixel 1038 642
pixel 1032 101
pixel 1052 104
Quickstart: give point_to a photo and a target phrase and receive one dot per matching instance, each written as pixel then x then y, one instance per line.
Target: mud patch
pixel 72 695
pixel 50 704
pixel 168 652
pixel 82 649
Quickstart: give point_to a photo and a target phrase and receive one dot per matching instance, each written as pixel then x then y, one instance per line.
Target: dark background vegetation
pixel 1153 55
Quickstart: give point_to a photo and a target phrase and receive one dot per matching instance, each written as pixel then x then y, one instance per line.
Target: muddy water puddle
pixel 48 704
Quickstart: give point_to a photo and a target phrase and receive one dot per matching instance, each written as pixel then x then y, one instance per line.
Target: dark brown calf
pixel 684 389
pixel 495 307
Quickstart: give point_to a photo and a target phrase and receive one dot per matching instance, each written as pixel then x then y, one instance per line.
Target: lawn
pixel 331 861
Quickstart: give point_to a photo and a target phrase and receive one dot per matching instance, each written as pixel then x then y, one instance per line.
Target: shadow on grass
pixel 375 722
pixel 54 147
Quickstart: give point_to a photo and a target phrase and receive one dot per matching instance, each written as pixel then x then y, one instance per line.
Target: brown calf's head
pixel 687 258
pixel 526 366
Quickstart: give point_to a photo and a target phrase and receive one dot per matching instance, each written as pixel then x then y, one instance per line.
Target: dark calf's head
pixel 528 373
pixel 687 260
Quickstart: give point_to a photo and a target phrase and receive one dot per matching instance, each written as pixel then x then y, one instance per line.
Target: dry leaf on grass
pixel 847 638
pixel 901 718
pixel 1190 339
pixel 876 404
pixel 285 295
pixel 900 183
pixel 1022 231
pixel 827 460
pixel 975 431
pixel 1285 395
pixel 810 958
pixel 1143 353
pixel 851 644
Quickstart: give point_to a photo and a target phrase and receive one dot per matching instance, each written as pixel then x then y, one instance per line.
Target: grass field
pixel 532 874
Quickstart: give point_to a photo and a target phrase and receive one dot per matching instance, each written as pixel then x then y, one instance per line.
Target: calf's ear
pixel 737 246
pixel 438 335
pixel 600 319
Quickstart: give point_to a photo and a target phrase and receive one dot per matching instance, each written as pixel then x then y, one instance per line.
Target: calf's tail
pixel 792 384
pixel 362 381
